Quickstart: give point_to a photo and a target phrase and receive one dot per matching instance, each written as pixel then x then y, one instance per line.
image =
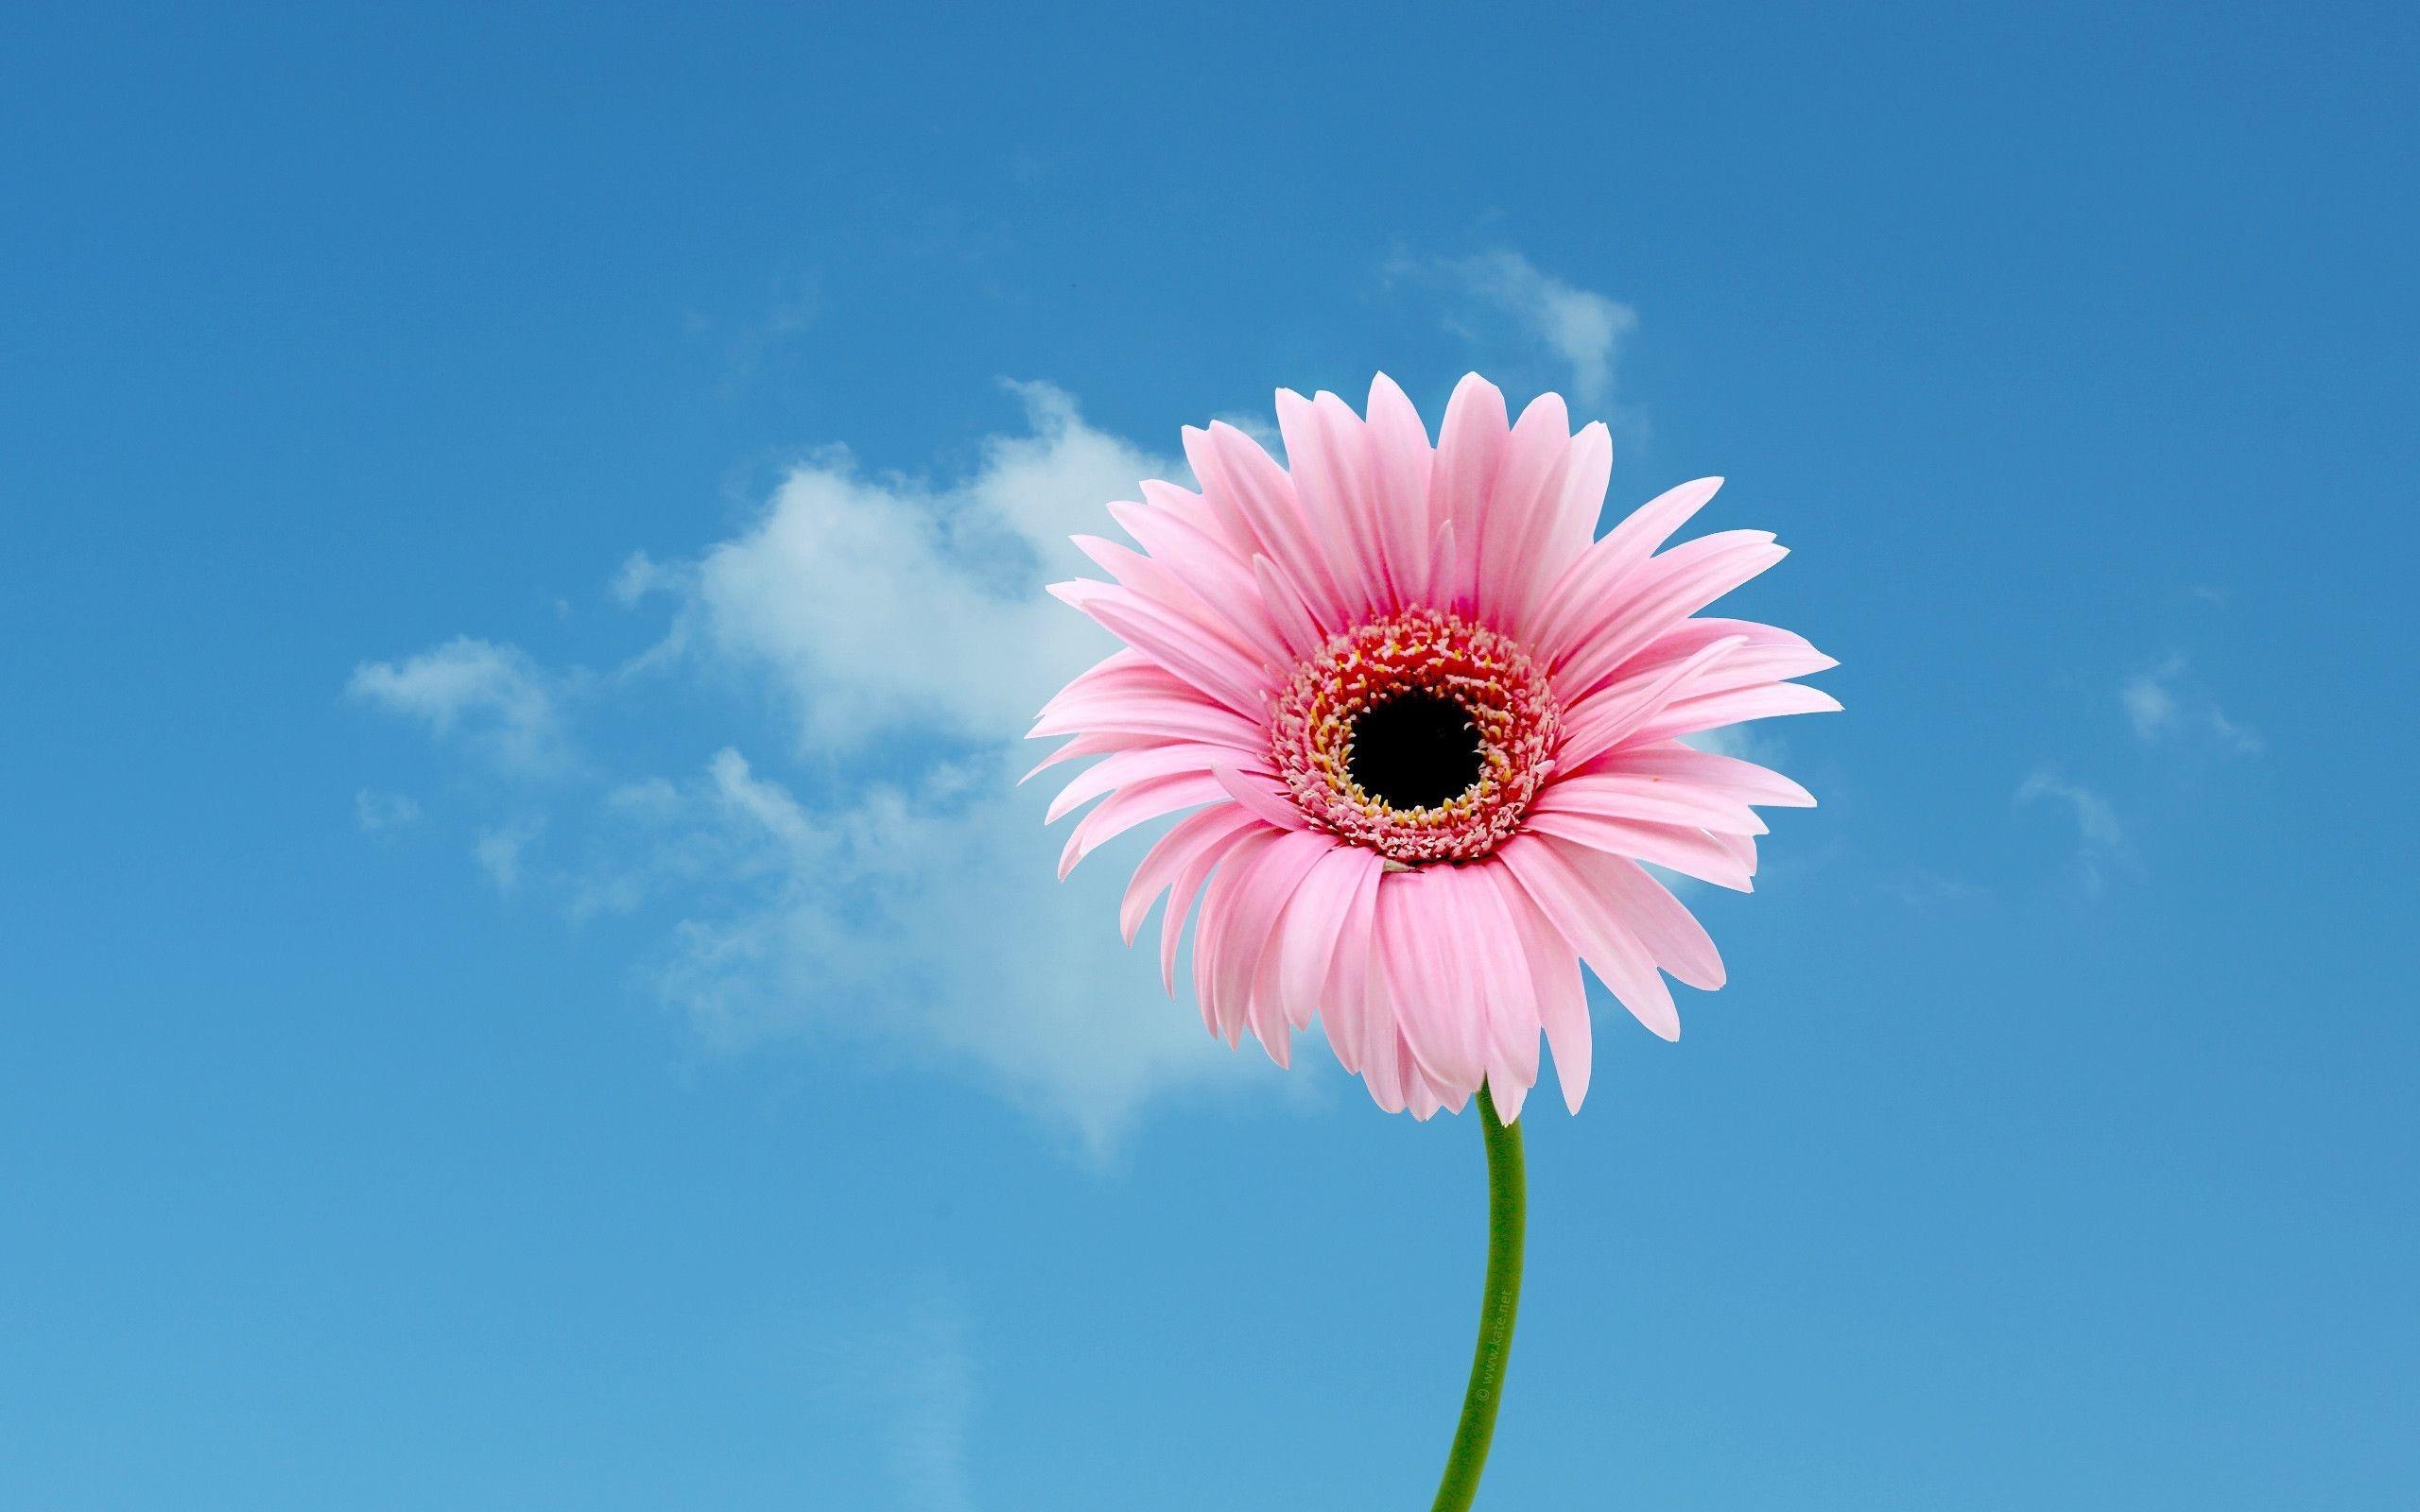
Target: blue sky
pixel 513 1002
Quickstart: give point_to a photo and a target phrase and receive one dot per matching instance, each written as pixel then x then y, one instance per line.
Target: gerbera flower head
pixel 1428 726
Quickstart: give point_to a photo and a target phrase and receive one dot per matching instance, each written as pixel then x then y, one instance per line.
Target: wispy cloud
pixel 2102 847
pixel 373 810
pixel 1581 329
pixel 491 696
pixel 932 1398
pixel 1920 887
pixel 2151 705
pixel 2162 705
pixel 755 343
pixel 882 875
pixel 499 851
pixel 906 1373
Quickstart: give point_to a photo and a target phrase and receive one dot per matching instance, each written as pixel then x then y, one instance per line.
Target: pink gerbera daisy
pixel 1430 726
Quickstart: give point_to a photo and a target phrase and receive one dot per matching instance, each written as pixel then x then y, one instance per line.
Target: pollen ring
pixel 1419 735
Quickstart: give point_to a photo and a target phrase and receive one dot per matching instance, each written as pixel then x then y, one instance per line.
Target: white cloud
pixel 374 811
pixel 882 604
pixel 1581 329
pixel 499 851
pixel 2161 705
pixel 640 575
pixel 886 883
pixel 493 695
pixel 2101 843
pixel 2230 734
pixel 925 913
pixel 2151 705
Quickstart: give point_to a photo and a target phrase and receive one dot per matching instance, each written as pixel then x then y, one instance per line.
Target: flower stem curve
pixel 1506 1205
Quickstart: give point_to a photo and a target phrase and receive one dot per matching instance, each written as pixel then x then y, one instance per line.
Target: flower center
pixel 1415 751
pixel 1420 735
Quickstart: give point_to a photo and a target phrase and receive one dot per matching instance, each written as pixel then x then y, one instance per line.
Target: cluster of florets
pixel 1504 694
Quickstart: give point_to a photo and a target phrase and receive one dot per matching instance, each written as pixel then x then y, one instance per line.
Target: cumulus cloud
pixel 1582 330
pixel 881 875
pixel 2101 843
pixel 881 604
pixel 923 911
pixel 2162 706
pixel 494 696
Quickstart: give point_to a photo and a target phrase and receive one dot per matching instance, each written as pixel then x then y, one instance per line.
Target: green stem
pixel 1501 1300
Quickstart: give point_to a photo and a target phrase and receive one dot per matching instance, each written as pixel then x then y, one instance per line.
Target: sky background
pixel 525 981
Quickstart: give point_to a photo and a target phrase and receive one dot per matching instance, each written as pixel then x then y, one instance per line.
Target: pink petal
pixel 1130 806
pixel 1314 922
pixel 1287 607
pixel 1592 579
pixel 1383 1059
pixel 1084 746
pixel 1125 670
pixel 1213 667
pixel 1189 878
pixel 1435 991
pixel 1555 970
pixel 1673 938
pixel 1179 715
pixel 1400 463
pixel 1741 847
pixel 1690 715
pixel 1190 839
pixel 1329 458
pixel 1274 1015
pixel 1232 466
pixel 1602 721
pixel 1510 997
pixel 1741 782
pixel 1509 1095
pixel 1215 938
pixel 1446 570
pixel 1521 512
pixel 1689 851
pixel 1768 655
pixel 1583 497
pixel 1198 559
pixel 1605 942
pixel 1133 767
pixel 1620 794
pixel 1257 790
pixel 1664 591
pixel 1260 887
pixel 1470 445
pixel 1235 625
pixel 1345 996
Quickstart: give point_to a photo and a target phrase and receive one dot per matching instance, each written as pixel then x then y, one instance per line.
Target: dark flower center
pixel 1416 750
